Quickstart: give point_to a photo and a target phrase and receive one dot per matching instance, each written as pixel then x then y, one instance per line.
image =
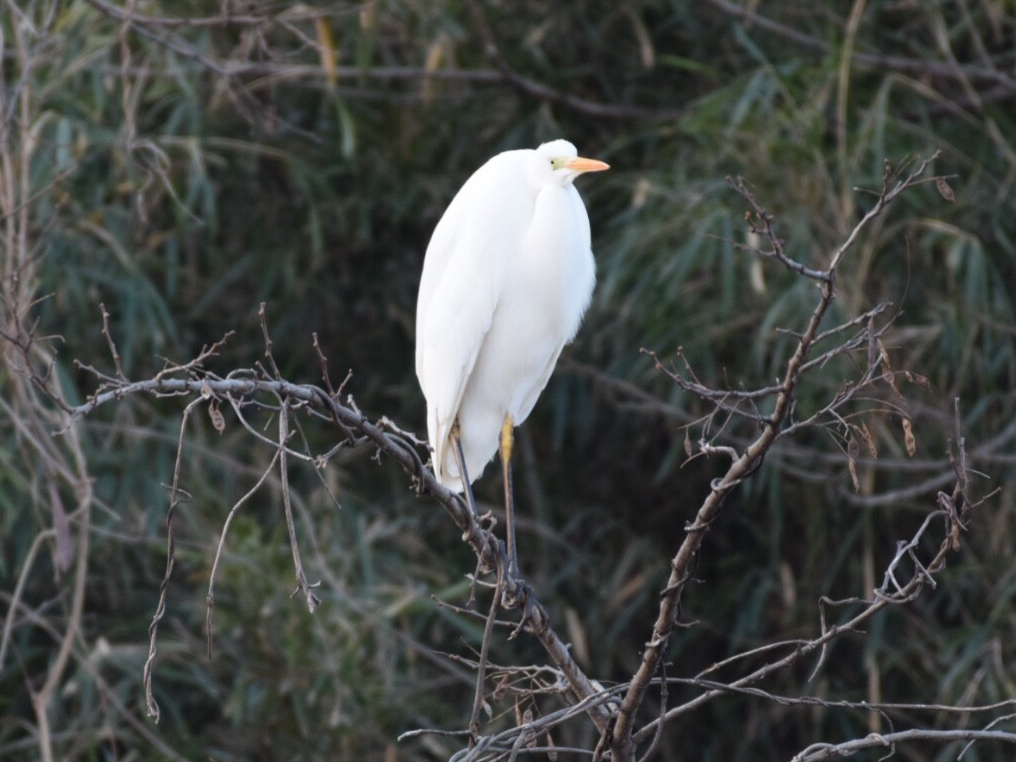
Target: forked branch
pixel 264 389
pixel 895 181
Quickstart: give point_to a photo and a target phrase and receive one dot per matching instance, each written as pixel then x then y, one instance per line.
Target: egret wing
pixel 463 277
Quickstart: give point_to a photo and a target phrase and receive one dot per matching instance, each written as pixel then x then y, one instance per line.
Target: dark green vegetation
pixel 182 174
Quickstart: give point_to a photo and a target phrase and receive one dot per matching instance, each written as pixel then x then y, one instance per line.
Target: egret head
pixel 558 161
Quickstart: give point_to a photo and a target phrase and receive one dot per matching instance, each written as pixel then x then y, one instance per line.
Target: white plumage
pixel 507 277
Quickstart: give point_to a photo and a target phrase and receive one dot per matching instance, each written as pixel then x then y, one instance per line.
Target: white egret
pixel 506 279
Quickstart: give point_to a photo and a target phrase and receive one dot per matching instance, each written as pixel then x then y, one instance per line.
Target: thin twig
pixel 481 662
pixel 210 597
pixel 160 608
pixel 110 343
pixel 303 586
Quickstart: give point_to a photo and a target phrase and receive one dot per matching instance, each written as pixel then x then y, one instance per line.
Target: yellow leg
pixel 507 442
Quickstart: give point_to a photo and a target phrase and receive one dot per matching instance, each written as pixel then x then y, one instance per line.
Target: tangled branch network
pixel 616 712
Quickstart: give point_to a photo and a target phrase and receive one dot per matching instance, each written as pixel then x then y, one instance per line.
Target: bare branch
pixel 820 751
pixel 175 496
pixel 210 597
pixel 245 386
pixel 624 736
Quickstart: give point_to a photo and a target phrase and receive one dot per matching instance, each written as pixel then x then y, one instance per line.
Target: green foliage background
pixel 182 174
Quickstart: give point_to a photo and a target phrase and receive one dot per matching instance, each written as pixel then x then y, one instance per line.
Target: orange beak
pixel 579 164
